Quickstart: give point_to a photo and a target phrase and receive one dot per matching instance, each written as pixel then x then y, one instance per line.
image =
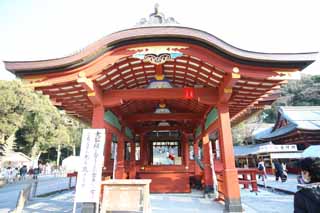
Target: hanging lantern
pixel 188 93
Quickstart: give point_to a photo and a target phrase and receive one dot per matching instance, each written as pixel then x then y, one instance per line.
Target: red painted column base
pixel 231 191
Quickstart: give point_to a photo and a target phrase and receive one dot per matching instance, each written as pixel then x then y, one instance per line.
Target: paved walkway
pixel 264 201
pixel 9 195
pixel 289 186
pixel 174 203
pixel 10 192
pixel 62 202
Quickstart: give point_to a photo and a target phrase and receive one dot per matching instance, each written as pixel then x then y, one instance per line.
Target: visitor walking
pixel 307 199
pixel 23 172
pixel 262 170
pixel 36 172
pixel 284 173
pixel 279 170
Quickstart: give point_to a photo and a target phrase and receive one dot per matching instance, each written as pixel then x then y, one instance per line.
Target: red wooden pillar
pixel 197 170
pixel 143 151
pixel 132 173
pixel 98 122
pixel 148 152
pixel 107 150
pixel 182 147
pixel 230 174
pixel 120 170
pixel 98 117
pixel 208 182
pixel 186 151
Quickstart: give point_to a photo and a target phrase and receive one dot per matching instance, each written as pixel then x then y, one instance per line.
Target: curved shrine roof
pixel 163 33
pixel 181 57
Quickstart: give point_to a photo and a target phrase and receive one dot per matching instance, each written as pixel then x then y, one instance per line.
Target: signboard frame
pixel 90 172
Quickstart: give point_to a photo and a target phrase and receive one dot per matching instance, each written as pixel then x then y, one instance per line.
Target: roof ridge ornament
pixel 156 18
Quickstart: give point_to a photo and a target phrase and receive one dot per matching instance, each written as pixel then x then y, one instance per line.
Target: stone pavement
pixel 194 202
pixel 264 201
pixel 290 186
pixel 62 202
pixel 160 203
pixel 10 192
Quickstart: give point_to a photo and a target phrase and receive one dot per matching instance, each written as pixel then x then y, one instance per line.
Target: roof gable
pixel 304 117
pixel 293 121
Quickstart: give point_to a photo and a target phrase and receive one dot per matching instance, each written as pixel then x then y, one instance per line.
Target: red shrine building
pixel 163 92
pixel 294 125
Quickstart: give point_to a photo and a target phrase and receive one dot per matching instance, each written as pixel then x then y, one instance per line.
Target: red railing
pixel 248 177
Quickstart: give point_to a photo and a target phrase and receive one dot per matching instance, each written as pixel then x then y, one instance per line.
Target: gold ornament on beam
pixel 157 59
pixel 159 77
pixel 162 105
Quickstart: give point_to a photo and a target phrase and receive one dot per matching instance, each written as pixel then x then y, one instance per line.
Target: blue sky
pixel 43 29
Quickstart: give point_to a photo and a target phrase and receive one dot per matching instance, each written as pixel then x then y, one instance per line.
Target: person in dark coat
pixel 307 199
pixel 36 172
pixel 23 172
pixel 278 169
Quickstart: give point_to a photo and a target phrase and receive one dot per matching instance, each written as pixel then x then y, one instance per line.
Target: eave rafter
pixel 220 63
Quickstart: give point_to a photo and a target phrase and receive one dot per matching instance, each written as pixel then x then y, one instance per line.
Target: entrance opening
pixel 166 153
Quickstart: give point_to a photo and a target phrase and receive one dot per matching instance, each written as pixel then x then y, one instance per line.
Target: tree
pixel 62 140
pixel 67 134
pixel 40 126
pixel 31 124
pixel 304 92
pixel 75 132
pixel 39 129
pixel 14 101
pixel 242 133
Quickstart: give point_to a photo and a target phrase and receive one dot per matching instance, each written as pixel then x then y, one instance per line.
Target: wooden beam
pixel 161 128
pixel 225 89
pixel 94 93
pixel 163 117
pixel 113 98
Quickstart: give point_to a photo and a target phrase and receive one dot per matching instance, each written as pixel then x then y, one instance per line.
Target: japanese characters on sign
pixel 89 175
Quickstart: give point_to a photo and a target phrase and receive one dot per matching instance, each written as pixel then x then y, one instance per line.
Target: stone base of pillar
pixel 233 205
